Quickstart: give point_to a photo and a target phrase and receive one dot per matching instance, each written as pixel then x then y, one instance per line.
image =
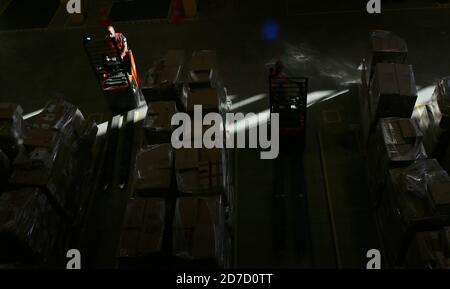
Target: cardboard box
pixel 174 57
pixel 207 97
pixel 40 138
pixel 168 70
pixel 387 48
pixel 157 125
pixel 397 143
pixel 153 171
pixel 203 60
pixel 393 91
pixel 10 110
pixel 143 228
pixel 186 159
pixel 196 228
pixel 438 185
pixel 199 171
pixel 167 74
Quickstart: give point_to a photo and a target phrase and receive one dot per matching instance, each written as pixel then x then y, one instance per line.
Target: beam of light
pixel 248 101
pixel 316 96
pixel 250 121
pixel 34 113
pixel 140 113
pixel 336 94
pixel 102 129
pixel 424 95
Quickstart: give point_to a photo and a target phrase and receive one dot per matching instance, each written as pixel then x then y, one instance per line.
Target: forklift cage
pixel 288 97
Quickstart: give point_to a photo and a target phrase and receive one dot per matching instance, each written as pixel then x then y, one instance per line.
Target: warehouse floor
pixel 325 47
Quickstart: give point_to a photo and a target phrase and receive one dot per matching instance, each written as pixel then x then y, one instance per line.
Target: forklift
pixel 291 233
pixel 120 85
pixel 118 77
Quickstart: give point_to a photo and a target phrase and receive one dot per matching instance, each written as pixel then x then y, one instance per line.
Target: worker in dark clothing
pixel 278 81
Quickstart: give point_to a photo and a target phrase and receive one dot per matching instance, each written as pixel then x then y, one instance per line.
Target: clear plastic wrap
pixel 153 170
pixel 434 120
pixel 406 207
pixel 438 187
pixel 162 81
pixel 397 143
pixel 441 104
pixel 198 228
pixel 414 178
pixel 402 139
pixel 157 124
pixel 29 224
pixel 56 155
pixel 143 228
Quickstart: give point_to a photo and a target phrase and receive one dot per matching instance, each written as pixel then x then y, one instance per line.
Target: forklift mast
pixel 117 77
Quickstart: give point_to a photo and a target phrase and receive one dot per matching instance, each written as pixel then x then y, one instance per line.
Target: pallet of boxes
pixel 409 191
pixel 174 217
pixel 145 237
pixel 392 138
pixel 45 202
pixel 146 231
pixel 416 205
pixel 199 222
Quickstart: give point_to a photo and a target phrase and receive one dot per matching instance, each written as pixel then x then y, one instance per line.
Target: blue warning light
pixel 270 30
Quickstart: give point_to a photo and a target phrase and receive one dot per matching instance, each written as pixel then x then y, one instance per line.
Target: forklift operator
pixel 279 80
pixel 119 39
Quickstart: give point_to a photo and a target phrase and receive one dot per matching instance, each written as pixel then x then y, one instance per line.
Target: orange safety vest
pixel 120 41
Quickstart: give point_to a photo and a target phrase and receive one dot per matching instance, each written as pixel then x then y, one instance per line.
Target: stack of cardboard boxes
pixel 190 211
pixel 386 48
pixel 393 91
pixel 417 200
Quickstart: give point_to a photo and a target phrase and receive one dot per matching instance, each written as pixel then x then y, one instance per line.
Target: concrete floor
pixel 324 45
